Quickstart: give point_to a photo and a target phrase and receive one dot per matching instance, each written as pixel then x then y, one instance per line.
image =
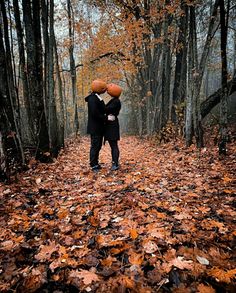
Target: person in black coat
pixel 96 126
pixel 112 128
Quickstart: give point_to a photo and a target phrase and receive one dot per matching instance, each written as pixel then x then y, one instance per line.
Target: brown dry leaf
pixel 46 251
pixel 104 240
pixel 150 246
pixel 182 264
pixel 182 216
pixel 7 245
pixel 86 276
pixel 205 289
pixel 35 279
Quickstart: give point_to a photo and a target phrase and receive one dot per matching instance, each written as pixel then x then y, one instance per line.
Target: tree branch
pixel 214 99
pixel 98 58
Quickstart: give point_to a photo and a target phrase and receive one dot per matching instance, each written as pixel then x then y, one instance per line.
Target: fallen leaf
pixel 86 276
pixel 150 246
pixel 205 289
pixel 133 234
pixel 202 260
pixel 46 251
pixel 182 264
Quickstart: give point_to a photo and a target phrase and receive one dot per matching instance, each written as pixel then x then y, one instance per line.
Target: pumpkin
pixel 98 86
pixel 114 90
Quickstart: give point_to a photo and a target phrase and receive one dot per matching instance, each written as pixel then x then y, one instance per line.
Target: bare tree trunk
pixel 179 88
pixel 23 74
pixel 195 77
pixel 10 144
pixel 52 113
pixel 72 65
pixel 61 119
pixel 35 77
pixel 190 88
pixel 166 72
pixel 44 19
pixel 224 74
pixel 8 88
pixel 198 133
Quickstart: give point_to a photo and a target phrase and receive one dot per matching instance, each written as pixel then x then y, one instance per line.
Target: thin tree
pixel 72 64
pixel 224 75
pixel 11 150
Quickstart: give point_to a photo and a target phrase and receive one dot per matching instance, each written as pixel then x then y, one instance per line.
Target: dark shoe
pixel 114 167
pixel 96 168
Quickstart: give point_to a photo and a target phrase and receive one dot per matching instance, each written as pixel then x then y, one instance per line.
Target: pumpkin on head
pixel 114 90
pixel 99 86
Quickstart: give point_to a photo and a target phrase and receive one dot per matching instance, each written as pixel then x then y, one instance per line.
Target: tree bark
pixel 23 74
pixel 179 89
pixel 31 19
pixel 61 119
pixel 72 65
pixel 11 150
pixel 198 131
pixel 224 74
pixel 52 113
pixel 10 89
pixel 166 71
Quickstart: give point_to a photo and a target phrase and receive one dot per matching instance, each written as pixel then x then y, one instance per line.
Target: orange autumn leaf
pixel 227 179
pixel 94 221
pixel 107 262
pixel 133 234
pixel 205 289
pixel 222 275
pixel 62 213
pixel 127 283
pixel 136 259
pixel 78 234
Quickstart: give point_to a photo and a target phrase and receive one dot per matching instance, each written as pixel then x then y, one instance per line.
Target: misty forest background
pixel 175 61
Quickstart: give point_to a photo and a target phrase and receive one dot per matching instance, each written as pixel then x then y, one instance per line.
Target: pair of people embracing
pixel 103 122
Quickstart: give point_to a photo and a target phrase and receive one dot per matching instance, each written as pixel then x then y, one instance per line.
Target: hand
pixel 111 117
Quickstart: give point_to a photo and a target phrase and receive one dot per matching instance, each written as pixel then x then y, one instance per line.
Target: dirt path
pixel 164 222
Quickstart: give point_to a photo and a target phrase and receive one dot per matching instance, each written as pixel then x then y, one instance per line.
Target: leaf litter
pixel 164 222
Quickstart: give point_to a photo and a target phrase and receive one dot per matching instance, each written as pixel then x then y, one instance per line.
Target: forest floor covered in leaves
pixel 164 222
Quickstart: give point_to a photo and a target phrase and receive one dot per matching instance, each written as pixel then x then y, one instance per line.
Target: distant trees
pixel 166 66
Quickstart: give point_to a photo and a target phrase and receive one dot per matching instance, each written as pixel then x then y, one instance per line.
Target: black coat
pixel 96 115
pixel 112 129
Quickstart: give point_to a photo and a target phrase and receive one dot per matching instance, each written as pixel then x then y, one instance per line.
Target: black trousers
pixel 96 145
pixel 114 151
